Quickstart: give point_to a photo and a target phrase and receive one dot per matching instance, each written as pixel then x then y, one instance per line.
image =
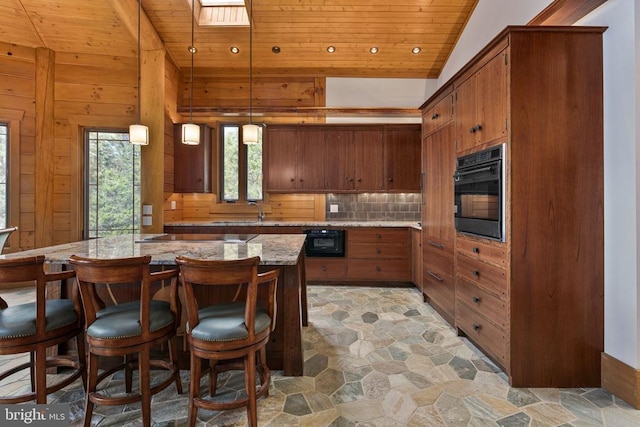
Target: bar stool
pixel 127 328
pixel 33 327
pixel 228 331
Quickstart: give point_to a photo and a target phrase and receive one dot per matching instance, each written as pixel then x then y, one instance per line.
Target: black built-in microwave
pixel 479 193
pixel 324 243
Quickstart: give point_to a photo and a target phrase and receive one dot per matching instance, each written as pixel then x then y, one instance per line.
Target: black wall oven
pixel 324 243
pixel 479 192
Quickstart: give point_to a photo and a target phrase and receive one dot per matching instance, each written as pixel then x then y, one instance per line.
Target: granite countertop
pixel 269 223
pixel 273 249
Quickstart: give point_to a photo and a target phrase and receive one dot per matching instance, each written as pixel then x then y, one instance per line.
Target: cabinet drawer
pixel 491 253
pixel 487 276
pixel 483 302
pixel 440 260
pixel 491 339
pixel 325 268
pixel 388 269
pixel 438 287
pixel 380 235
pixel 378 250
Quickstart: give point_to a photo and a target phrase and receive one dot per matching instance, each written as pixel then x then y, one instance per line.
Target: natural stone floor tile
pixel 374 357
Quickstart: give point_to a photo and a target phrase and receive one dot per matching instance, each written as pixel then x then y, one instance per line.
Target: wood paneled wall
pixel 277 207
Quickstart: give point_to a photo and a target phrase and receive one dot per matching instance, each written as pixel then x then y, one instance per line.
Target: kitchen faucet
pixel 260 213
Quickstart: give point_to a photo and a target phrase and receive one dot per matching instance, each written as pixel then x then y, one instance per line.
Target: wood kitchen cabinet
pixel 416 258
pixel 534 303
pixel 438 231
pixel 354 159
pixel 379 254
pixel 295 159
pixel 481 103
pixel 192 163
pixel 438 114
pixel 402 158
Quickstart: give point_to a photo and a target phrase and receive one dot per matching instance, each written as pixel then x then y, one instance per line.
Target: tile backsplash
pixel 374 207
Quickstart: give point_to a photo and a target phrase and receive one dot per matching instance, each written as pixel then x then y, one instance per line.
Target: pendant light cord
pixel 192 49
pixel 251 62
pixel 138 59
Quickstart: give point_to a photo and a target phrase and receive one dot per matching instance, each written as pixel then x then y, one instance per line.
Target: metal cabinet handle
pixel 378 251
pixel 476 273
pixel 435 276
pixel 378 269
pixel 378 236
pixel 435 116
pixel 475 299
pixel 435 244
pixel 476 250
pixel 323 268
pixel 476 327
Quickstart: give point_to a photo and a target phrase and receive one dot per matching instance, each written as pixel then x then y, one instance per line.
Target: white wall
pixel 621 139
pixel 377 93
pixel 488 19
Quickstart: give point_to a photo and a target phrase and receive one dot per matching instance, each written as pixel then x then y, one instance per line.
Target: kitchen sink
pixel 230 238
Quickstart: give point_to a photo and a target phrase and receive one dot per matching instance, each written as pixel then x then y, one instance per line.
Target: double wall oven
pixel 479 193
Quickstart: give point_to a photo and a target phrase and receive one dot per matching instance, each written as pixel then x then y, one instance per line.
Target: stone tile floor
pixel 375 357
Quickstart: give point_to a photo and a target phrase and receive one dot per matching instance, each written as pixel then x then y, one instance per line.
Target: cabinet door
pixel 440 161
pixel 402 159
pixel 491 100
pixel 281 159
pixel 339 160
pixel 192 163
pixel 416 258
pixel 465 100
pixel 310 165
pixel 368 148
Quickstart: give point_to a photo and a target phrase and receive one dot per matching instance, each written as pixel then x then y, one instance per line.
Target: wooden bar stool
pixel 34 327
pixel 229 331
pixel 127 328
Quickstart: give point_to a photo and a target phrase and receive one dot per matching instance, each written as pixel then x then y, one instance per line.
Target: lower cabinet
pixel 482 296
pixel 328 269
pixel 437 279
pixel 379 254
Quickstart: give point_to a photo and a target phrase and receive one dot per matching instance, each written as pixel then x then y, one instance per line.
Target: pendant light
pixel 138 133
pixel 250 132
pixel 191 131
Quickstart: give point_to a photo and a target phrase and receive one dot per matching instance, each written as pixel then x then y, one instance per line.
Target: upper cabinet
pixel 192 163
pixel 402 158
pixel 329 158
pixel 294 160
pixel 480 102
pixel 438 115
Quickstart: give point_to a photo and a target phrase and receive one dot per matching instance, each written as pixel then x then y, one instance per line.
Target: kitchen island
pixel 283 251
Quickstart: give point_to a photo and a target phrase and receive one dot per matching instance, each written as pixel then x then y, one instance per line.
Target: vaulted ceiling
pixel 303 30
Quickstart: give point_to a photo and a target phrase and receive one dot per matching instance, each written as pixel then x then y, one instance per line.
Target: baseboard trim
pixel 620 379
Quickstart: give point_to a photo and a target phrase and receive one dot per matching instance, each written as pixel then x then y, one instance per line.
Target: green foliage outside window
pixel 112 185
pixel 241 166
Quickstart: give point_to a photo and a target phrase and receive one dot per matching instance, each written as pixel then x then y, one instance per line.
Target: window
pixel 241 166
pixel 4 174
pixel 112 184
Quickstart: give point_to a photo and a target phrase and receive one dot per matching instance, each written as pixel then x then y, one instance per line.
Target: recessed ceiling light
pixel 373 49
pixel 234 49
pixel 331 49
pixel 416 50
pixel 275 49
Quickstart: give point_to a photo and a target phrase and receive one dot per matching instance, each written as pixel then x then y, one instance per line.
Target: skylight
pixel 223 13
pixel 213 3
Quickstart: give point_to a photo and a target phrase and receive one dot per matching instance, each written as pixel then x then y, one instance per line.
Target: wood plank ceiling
pixel 302 29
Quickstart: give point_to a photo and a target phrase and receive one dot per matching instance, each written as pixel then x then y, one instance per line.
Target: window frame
pixel 13 120
pixel 7 177
pixel 86 131
pixel 243 167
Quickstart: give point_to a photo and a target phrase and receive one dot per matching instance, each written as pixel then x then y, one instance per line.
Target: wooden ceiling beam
pixel 565 12
pixel 127 12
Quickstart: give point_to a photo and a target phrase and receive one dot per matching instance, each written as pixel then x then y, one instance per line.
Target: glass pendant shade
pixel 190 134
pixel 250 134
pixel 139 134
